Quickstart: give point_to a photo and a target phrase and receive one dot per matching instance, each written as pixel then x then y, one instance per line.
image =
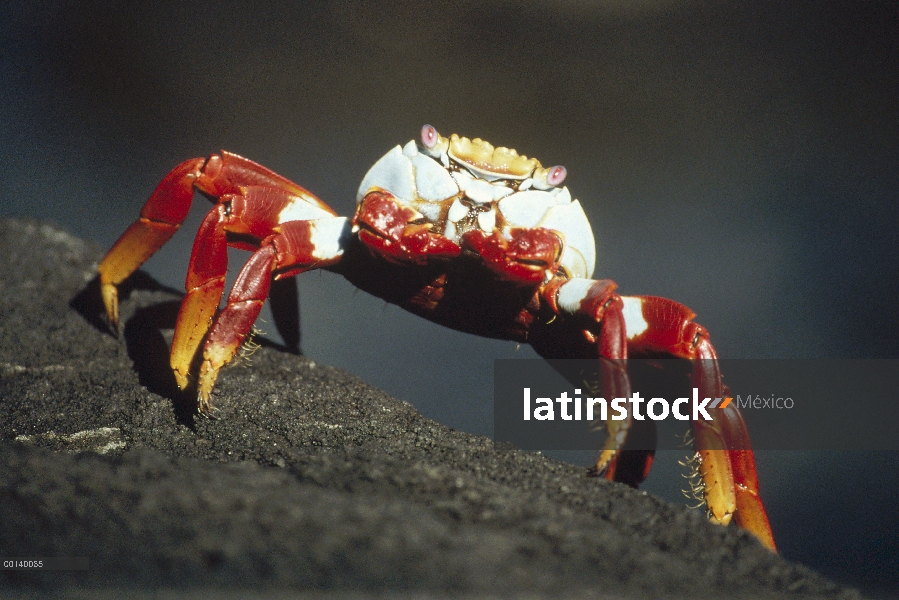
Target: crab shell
pixel 458 184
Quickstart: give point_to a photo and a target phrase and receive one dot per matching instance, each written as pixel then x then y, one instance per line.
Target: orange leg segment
pixel 751 514
pixel 715 466
pixel 205 284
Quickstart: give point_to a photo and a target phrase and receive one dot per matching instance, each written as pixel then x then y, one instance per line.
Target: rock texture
pixel 309 484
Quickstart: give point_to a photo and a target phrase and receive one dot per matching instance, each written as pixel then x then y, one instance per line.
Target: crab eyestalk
pixel 545 179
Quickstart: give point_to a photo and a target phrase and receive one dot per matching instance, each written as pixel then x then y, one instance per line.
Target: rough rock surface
pixel 310 484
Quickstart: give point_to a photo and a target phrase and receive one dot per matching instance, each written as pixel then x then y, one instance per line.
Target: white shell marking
pixel 457 211
pixel 561 195
pixel 450 232
pixel 430 211
pixel 410 150
pixel 571 222
pixel 572 292
pixel 392 173
pixel 329 237
pixel 434 183
pixel 301 210
pixel 477 189
pixel 525 209
pixel 487 220
pixel 634 321
pixel 414 179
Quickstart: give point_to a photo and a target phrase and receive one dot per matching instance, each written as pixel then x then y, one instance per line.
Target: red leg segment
pixel 644 325
pixel 235 321
pixel 230 173
pixel 603 307
pixel 726 462
pixel 616 462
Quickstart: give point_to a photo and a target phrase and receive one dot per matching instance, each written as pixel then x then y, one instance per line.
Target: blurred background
pixel 740 158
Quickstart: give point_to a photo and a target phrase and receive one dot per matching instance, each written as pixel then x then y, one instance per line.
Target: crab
pixel 474 237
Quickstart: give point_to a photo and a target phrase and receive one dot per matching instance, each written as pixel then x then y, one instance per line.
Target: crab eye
pixel 556 175
pixel 429 136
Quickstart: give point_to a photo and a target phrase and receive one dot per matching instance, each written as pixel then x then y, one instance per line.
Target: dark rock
pixel 309 480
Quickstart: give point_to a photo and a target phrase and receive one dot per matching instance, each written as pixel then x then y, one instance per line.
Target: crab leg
pixel 235 321
pixel 726 463
pixel 645 325
pixel 729 428
pixel 160 218
pixel 288 229
pixel 525 260
pixel 604 309
pixel 205 283
pixel 294 247
pixel 614 462
pixel 254 212
pixel 170 202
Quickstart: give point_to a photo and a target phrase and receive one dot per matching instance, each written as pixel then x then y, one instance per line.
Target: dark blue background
pixel 740 159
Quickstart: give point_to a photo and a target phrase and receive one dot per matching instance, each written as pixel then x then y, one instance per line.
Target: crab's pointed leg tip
pixel 182 381
pixel 205 408
pixel 112 326
pixel 110 296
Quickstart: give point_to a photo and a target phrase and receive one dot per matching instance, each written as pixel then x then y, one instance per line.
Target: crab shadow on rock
pixel 147 345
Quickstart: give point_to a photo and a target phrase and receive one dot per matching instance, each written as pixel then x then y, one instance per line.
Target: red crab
pixel 477 238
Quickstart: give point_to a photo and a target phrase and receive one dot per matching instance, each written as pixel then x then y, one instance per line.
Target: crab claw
pixel 526 258
pixel 397 232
